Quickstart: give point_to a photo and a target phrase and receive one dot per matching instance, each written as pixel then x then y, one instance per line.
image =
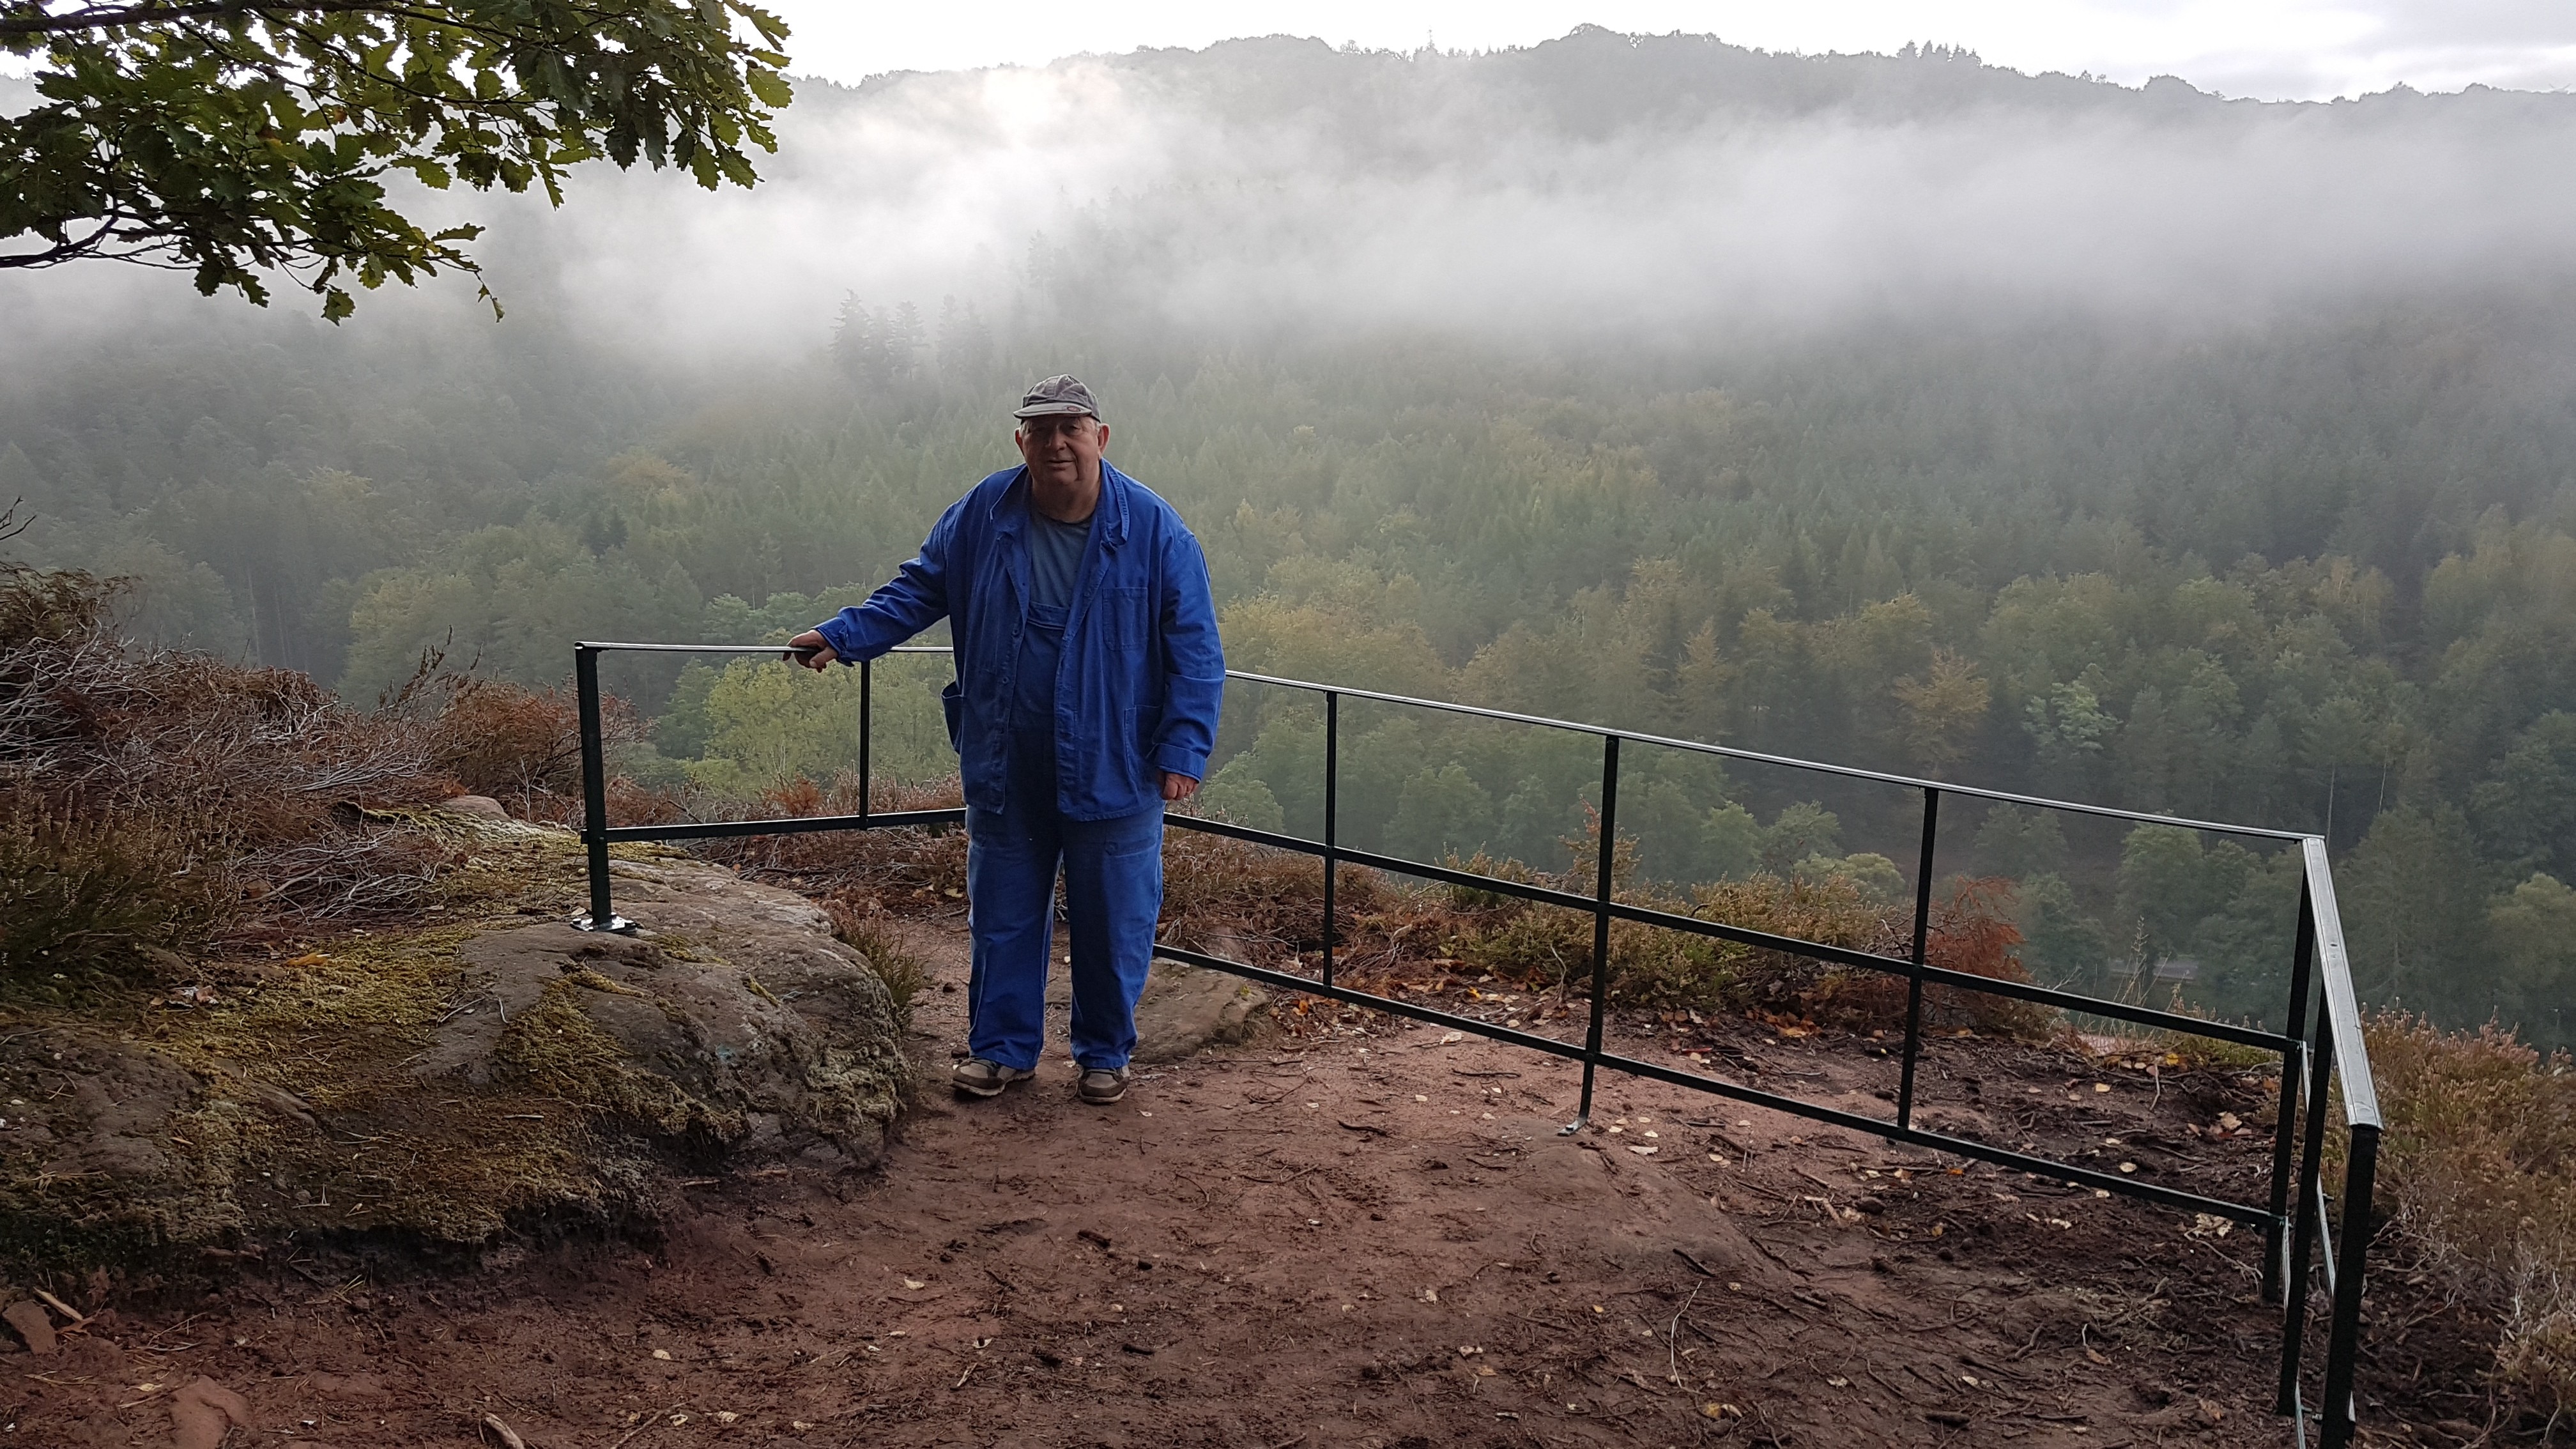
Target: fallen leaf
pixel 663 1354
pixel 2101 1086
pixel 32 1325
pixel 1453 1036
pixel 1645 1151
pixel 204 1412
pixel 912 1283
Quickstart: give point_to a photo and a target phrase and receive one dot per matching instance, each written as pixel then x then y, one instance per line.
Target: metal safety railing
pixel 2325 1067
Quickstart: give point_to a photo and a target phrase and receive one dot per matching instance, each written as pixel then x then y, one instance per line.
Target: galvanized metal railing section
pixel 2322 1057
pixel 2338 1065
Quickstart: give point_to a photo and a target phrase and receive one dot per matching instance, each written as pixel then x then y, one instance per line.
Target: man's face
pixel 1064 450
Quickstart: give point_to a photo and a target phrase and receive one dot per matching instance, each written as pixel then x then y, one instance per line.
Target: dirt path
pixel 1361 1235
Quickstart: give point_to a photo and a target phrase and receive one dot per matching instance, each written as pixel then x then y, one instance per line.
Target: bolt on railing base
pixel 617 925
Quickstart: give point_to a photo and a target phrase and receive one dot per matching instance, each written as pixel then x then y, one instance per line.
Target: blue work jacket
pixel 1141 677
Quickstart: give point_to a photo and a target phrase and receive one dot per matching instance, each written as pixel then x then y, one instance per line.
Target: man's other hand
pixel 1178 787
pixel 823 656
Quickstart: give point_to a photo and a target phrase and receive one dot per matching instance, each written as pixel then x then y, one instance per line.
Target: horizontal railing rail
pixel 2323 1056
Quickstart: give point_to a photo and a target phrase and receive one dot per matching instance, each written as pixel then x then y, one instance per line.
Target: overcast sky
pixel 2268 49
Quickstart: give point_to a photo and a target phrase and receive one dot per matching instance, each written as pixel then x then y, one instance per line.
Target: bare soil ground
pixel 1350 1231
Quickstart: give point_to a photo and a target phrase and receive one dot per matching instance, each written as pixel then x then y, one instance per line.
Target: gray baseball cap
pixel 1058 396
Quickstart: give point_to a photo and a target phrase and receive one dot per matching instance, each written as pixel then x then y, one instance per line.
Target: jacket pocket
pixel 952 707
pixel 1130 618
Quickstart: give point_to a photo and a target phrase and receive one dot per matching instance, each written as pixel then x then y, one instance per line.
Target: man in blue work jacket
pixel 1088 683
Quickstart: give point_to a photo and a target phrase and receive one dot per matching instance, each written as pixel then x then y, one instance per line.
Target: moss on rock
pixel 449 1082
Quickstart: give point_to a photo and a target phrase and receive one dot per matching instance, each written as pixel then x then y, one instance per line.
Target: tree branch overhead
pixel 239 140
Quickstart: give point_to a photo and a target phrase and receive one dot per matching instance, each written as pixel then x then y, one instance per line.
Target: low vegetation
pixel 2478 1184
pixel 156 805
pixel 154 801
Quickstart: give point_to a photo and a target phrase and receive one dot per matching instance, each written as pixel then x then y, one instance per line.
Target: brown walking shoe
pixel 1103 1085
pixel 980 1077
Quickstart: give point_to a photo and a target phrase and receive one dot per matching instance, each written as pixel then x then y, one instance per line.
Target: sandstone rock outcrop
pixel 451 1081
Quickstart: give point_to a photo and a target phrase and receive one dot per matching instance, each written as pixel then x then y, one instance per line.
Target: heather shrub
pixel 1542 945
pixel 83 895
pixel 899 869
pixel 1970 930
pixel 1235 897
pixel 518 745
pixel 2477 1177
pixel 158 799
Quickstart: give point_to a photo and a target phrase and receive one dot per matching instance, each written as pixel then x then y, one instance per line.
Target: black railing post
pixel 1332 801
pixel 594 792
pixel 1606 851
pixel 2352 1243
pixel 2300 966
pixel 1914 980
pixel 867 682
pixel 2305 1227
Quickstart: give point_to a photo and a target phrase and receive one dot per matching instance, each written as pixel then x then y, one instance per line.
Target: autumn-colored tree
pixel 1941 711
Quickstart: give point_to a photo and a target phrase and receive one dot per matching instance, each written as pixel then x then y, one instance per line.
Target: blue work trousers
pixel 1113 889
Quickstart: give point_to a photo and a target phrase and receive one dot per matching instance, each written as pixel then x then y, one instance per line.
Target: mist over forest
pixel 2132 446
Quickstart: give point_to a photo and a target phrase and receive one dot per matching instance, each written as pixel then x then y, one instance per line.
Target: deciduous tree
pixel 236 139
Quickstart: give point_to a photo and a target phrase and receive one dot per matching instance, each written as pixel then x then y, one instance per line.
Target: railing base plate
pixel 617 925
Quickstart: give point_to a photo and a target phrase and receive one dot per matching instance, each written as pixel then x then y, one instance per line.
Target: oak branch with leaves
pixel 235 140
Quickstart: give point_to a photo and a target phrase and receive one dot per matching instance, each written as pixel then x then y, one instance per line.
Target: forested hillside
pixel 2226 468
